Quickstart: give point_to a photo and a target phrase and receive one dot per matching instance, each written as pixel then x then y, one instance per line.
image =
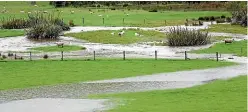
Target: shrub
pixel 71 23
pixel 179 36
pixel 222 16
pixel 222 20
pixel 217 17
pixel 212 18
pixel 201 18
pixel 206 18
pixel 200 23
pixel 4 56
pixel 44 31
pixel 153 10
pixel 228 19
pixel 14 23
pixel 125 5
pixel 112 8
pixel 45 56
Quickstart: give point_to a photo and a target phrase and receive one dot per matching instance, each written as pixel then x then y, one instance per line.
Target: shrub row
pixel 179 36
pixel 213 18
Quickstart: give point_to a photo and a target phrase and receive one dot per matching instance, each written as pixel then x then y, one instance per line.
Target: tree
pixel 238 10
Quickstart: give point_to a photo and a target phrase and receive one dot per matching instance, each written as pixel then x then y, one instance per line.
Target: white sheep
pixel 113 33
pixel 121 33
pixel 29 12
pixel 62 11
pixel 136 34
pixel 22 11
pixel 44 11
pixel 100 15
pixel 127 14
pixel 36 5
pixel 91 12
pixel 72 12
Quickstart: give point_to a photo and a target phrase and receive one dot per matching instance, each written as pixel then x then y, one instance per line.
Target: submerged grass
pixel 218 96
pixel 227 28
pixel 237 47
pixel 56 48
pixel 105 36
pixel 23 74
pixel 11 33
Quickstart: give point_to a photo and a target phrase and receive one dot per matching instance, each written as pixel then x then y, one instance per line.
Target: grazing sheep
pixel 36 5
pixel 44 11
pixel 72 12
pixel 91 12
pixel 113 33
pixel 22 11
pixel 29 12
pixel 136 34
pixel 121 33
pixel 60 44
pixel 229 41
pixel 127 14
pixel 100 15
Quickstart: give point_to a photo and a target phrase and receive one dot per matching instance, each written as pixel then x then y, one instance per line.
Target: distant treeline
pixel 147 5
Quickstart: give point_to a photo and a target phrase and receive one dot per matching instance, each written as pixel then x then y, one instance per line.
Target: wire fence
pixel 95 55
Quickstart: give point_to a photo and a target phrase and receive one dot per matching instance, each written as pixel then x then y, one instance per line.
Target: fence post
pixel 185 55
pixel 30 56
pixel 165 22
pixel 124 57
pixel 62 55
pixel 94 53
pixel 156 55
pixel 103 20
pixel 15 55
pixel 83 21
pixel 123 20
pixel 217 56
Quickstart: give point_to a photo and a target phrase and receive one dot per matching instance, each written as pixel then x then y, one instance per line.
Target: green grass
pixel 11 33
pixel 22 74
pixel 112 17
pixel 233 48
pixel 218 96
pixel 104 36
pixel 227 28
pixel 56 48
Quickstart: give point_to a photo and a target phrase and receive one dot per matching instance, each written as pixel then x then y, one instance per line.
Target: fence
pixel 101 54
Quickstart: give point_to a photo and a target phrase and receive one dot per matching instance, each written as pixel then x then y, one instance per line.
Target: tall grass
pixel 179 36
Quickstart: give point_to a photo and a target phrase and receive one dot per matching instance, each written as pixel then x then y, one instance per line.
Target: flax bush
pixel 179 36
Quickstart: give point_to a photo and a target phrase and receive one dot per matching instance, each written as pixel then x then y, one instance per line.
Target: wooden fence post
pixel 30 56
pixel 124 56
pixel 156 55
pixel 123 20
pixel 83 21
pixel 94 53
pixel 165 22
pixel 217 56
pixel 185 55
pixel 62 55
pixel 103 20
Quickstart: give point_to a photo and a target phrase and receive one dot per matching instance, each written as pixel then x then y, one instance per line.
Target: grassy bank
pixel 218 96
pixel 11 33
pixel 22 74
pixel 237 47
pixel 227 28
pixel 105 36
pixel 56 48
pixel 111 17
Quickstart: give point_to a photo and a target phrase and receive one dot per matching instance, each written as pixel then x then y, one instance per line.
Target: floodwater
pixel 68 97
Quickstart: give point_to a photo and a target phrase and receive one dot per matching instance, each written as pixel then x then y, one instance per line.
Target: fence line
pixel 93 55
